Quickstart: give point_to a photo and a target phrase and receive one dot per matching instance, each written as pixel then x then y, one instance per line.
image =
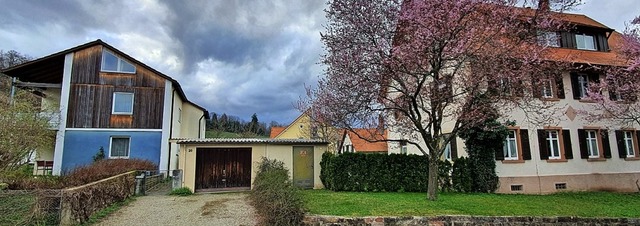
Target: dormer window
pixel 112 63
pixel 549 38
pixel 585 41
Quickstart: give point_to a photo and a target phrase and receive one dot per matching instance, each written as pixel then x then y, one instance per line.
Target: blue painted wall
pixel 81 146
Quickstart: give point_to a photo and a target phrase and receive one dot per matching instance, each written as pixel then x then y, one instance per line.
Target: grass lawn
pixel 582 204
pixel 16 209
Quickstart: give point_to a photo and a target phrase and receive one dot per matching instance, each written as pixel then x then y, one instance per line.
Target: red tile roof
pixel 362 145
pixel 275 131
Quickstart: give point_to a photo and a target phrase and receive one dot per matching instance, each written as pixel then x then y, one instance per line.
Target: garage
pixel 223 168
pixel 221 164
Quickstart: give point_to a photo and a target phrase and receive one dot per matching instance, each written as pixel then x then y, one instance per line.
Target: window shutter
pixel 594 77
pixel 524 140
pixel 537 88
pixel 575 87
pixel 568 39
pixel 566 140
pixel 620 141
pixel 582 140
pixel 518 89
pixel 454 148
pixel 543 145
pixel 559 87
pixel 601 39
pixel 499 154
pixel 605 143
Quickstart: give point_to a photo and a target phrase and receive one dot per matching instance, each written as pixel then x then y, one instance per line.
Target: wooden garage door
pixel 223 168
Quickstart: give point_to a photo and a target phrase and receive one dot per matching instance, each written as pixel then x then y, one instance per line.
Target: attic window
pixel 585 41
pixel 112 63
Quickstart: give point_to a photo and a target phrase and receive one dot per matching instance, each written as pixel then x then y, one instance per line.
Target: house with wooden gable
pixel 104 98
pixel 572 153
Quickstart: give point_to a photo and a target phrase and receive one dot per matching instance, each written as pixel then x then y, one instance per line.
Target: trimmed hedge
pixel 378 172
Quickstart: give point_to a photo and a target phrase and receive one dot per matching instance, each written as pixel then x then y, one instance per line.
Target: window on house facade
pixel 510 146
pixel 112 63
pixel 627 143
pixel 553 140
pixel 515 146
pixel 403 147
pixel 580 84
pixel 549 38
pixel 447 152
pixel 548 86
pixel 555 144
pixel 585 41
pixel 594 143
pixel 122 103
pixel 119 147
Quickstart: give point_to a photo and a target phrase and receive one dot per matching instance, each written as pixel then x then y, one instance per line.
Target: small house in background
pixel 303 127
pixel 222 164
pixel 364 141
pixel 100 97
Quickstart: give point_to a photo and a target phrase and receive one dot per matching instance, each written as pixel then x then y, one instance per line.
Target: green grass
pixel 220 134
pixel 184 191
pixel 16 209
pixel 581 204
pixel 98 216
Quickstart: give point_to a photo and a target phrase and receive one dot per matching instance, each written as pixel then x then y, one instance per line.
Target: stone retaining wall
pixel 319 220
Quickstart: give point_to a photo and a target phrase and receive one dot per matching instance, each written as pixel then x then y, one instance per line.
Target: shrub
pixel 104 169
pixel 184 191
pixel 276 200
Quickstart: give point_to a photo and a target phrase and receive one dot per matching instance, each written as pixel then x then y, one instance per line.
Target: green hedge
pixel 378 172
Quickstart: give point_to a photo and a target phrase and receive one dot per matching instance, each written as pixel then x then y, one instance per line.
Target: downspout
pixel 173 94
pixel 200 125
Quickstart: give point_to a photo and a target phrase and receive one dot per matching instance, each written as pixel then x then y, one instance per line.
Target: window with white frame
pixel 510 146
pixel 112 63
pixel 119 147
pixel 585 41
pixel 583 85
pixel 122 103
pixel 549 38
pixel 403 147
pixel 554 144
pixel 628 144
pixel 447 152
pixel 547 88
pixel 592 143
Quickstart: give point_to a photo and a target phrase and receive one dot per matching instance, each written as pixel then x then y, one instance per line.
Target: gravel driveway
pixel 201 209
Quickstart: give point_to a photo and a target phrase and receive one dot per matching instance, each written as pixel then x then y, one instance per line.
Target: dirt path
pixel 157 209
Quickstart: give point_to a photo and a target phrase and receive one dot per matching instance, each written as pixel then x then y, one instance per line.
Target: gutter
pixel 173 97
pixel 200 124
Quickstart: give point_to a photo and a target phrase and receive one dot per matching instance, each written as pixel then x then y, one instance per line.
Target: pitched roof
pixel 275 131
pixel 359 139
pixel 581 20
pixel 43 67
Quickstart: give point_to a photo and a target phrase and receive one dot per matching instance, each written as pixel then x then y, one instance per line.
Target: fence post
pixel 140 188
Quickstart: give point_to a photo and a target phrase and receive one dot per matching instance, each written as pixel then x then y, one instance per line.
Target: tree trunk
pixel 432 185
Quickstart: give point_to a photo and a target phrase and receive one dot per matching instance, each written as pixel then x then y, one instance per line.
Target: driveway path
pixel 157 209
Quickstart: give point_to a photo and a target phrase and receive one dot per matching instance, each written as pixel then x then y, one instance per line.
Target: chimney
pixel 544 5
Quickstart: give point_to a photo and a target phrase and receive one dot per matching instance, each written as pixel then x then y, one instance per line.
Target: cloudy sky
pixel 235 56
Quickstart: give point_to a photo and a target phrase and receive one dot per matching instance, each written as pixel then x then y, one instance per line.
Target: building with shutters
pixel 571 152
